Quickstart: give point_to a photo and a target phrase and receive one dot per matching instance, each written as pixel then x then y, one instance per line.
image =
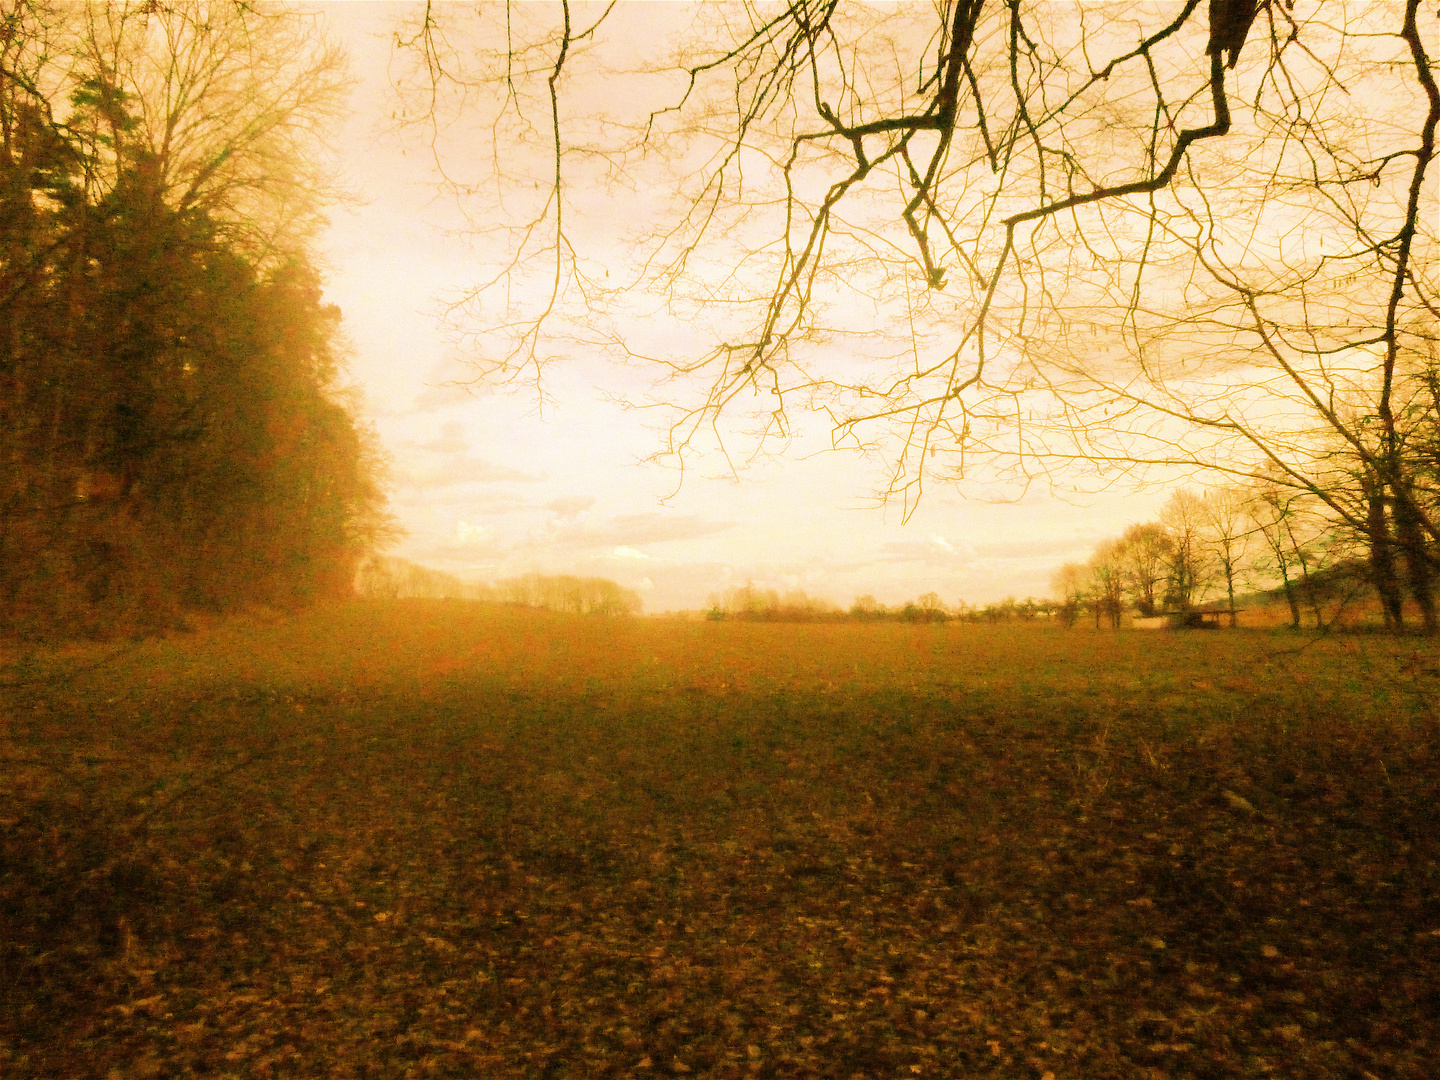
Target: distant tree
pixel 1072 584
pixel 1226 532
pixel 744 602
pixel 1146 559
pixel 866 607
pixel 1037 607
pixel 999 611
pixel 386 577
pixel 567 594
pixel 1107 576
pixel 932 607
pixel 1298 540
pixel 1269 509
pixel 767 605
pixel 1183 518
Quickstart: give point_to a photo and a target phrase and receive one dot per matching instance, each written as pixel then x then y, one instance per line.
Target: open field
pixel 439 839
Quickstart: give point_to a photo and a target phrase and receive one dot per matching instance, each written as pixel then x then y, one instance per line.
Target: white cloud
pixel 650 528
pixel 568 506
pixel 466 533
pixel 463 470
pixel 625 552
pixel 451 440
pixel 934 550
pixel 447 383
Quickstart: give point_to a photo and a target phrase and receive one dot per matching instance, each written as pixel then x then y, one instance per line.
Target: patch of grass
pixel 445 839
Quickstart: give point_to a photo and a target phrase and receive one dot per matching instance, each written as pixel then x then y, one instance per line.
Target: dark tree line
pixel 172 431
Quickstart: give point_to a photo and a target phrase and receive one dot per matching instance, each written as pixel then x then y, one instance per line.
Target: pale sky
pixel 488 486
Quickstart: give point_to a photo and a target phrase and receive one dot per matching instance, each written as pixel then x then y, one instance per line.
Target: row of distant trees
pixel 173 429
pixel 749 603
pixel 1211 546
pixel 928 607
pixel 1217 545
pixel 391 578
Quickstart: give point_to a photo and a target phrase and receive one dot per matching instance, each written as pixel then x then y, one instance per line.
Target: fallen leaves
pixel 498 879
pixel 1237 802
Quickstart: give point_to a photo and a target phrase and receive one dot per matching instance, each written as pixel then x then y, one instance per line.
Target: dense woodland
pixel 173 432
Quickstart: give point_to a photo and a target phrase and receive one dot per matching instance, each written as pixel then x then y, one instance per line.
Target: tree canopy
pixel 173 432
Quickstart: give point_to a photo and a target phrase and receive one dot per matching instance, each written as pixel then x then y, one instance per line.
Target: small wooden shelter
pixel 1198 619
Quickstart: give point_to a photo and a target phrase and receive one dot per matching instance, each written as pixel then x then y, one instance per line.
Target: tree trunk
pixel 1285 582
pixel 1382 557
pixel 1419 567
pixel 1307 583
pixel 1230 590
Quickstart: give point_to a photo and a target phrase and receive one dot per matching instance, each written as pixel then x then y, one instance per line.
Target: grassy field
pixel 438 839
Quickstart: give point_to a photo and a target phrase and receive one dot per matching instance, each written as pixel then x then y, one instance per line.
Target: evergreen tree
pixel 173 433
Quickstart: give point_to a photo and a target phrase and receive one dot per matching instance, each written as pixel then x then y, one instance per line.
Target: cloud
pixel 470 500
pixel 446 554
pixel 466 533
pixel 617 538
pixel 654 528
pixel 435 398
pixel 451 440
pixel 568 506
pixel 446 384
pixel 1070 546
pixel 464 470
pixel 935 550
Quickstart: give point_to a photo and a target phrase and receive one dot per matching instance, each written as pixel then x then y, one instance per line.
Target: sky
pixel 492 483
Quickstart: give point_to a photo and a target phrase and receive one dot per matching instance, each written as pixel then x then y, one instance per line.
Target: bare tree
pixel 1147 555
pixel 1226 532
pixel 1270 508
pixel 233 107
pixel 1071 583
pixel 1296 537
pixel 866 607
pixel 1183 517
pixel 932 607
pixel 1090 235
pixel 1107 576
